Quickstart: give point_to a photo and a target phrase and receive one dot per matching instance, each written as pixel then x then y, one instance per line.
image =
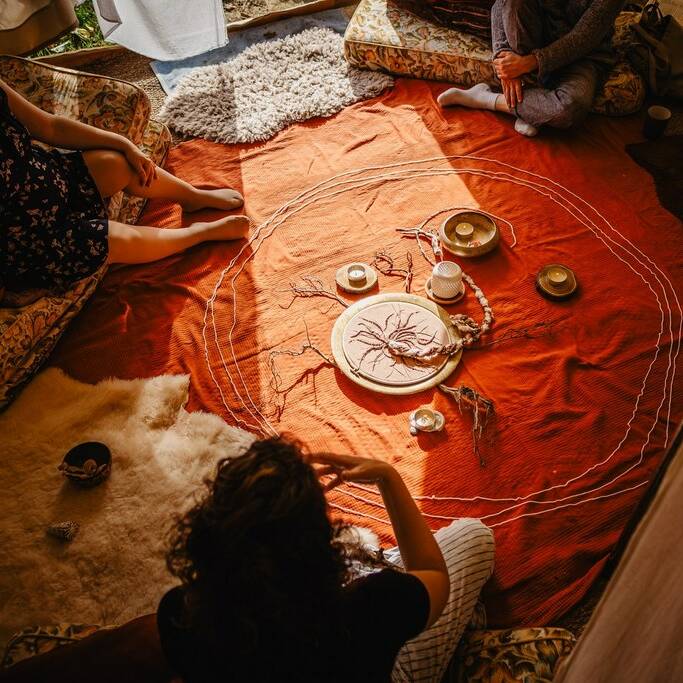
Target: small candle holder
pixel 356 274
pixel 557 278
pixel 426 419
pixel 464 231
pixel 556 281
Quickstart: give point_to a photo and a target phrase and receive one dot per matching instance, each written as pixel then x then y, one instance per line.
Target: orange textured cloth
pixel 563 467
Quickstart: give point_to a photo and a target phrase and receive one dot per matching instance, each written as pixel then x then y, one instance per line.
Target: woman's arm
pixel 419 550
pixel 66 133
pixel 499 41
pixel 590 30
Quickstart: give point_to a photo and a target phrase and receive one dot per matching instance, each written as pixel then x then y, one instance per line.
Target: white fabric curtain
pixel 163 29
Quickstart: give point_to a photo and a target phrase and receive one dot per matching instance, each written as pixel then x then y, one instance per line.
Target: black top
pixel 380 613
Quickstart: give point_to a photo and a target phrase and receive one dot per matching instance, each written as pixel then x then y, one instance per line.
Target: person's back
pixel 270 592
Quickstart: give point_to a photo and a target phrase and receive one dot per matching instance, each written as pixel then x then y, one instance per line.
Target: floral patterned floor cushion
pixel 528 655
pixel 29 333
pixel 388 35
pixel 38 640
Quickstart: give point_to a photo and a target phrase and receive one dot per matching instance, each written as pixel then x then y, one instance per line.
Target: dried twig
pixel 535 331
pixel 307 346
pixel 423 234
pixel 313 286
pixel 384 262
pixel 482 410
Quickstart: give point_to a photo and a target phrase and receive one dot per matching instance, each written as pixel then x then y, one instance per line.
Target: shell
pixel 64 531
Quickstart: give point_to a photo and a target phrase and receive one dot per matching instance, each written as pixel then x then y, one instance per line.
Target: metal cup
pixel 656 121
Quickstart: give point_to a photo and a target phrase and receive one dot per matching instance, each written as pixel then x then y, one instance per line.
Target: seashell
pixel 87 464
pixel 64 531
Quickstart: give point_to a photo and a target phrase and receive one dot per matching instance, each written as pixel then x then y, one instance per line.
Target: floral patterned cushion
pixel 98 100
pixel 389 35
pixel 38 640
pixel 29 333
pixel 528 655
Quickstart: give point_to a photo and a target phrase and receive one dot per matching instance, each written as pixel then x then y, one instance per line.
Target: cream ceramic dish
pixel 432 318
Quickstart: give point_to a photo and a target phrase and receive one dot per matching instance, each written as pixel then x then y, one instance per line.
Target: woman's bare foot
pixel 228 228
pixel 225 199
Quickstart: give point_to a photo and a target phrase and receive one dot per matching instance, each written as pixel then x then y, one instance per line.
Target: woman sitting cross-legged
pixel 270 591
pixel 54 229
pixel 550 57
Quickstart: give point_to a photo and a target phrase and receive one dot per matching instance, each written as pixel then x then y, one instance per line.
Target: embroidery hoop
pixel 337 343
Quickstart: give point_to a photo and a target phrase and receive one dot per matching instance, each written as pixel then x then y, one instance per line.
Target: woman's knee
pixel 569 112
pixel 467 535
pixel 522 22
pixel 109 169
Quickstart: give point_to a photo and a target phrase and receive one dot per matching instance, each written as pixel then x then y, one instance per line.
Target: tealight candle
pixel 464 231
pixel 425 419
pixel 557 277
pixel 356 273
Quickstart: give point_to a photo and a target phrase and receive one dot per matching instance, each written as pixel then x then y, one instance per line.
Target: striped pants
pixel 467 547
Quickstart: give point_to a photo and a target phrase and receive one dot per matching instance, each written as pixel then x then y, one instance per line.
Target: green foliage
pixel 88 34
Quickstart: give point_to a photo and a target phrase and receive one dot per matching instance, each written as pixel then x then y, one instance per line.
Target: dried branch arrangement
pixel 535 331
pixel 313 286
pixel 308 345
pixel 384 262
pixel 481 408
pixel 397 338
pixel 427 235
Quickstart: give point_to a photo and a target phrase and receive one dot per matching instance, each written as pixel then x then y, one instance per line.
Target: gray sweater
pixel 572 30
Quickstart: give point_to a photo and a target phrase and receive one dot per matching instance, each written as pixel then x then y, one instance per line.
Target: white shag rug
pixel 114 569
pixel 270 86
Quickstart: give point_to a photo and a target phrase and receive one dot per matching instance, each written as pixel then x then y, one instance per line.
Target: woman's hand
pixel 142 165
pixel 509 65
pixel 351 468
pixel 512 90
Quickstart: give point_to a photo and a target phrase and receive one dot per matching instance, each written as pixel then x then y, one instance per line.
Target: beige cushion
pixel 28 25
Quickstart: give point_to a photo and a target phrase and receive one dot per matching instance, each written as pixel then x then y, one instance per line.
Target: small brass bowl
pixel 556 281
pixel 87 464
pixel 469 233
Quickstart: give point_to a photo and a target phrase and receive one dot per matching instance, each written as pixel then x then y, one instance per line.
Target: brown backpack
pixel 657 51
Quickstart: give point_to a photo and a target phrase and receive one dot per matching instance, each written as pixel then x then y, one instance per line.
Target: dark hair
pixel 263 567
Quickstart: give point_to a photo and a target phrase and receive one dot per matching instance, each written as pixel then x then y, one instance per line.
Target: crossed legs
pixel 141 244
pixel 569 93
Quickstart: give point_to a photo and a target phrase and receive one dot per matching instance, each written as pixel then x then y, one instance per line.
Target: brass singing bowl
pixel 484 238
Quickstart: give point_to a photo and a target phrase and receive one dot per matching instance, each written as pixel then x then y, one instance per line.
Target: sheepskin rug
pixel 114 568
pixel 268 87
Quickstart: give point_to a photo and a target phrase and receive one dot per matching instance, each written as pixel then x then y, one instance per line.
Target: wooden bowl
pixel 87 464
pixel 479 233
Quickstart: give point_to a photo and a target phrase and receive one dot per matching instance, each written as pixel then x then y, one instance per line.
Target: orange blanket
pixel 581 411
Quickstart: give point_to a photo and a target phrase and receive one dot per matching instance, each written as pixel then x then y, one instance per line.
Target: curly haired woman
pixel 271 592
pixel 54 229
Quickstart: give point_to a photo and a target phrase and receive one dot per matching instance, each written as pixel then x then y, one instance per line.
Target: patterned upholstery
pixel 30 333
pixel 389 35
pixel 38 640
pixel 512 656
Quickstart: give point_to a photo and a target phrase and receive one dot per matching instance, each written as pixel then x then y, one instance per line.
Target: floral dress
pixel 53 221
